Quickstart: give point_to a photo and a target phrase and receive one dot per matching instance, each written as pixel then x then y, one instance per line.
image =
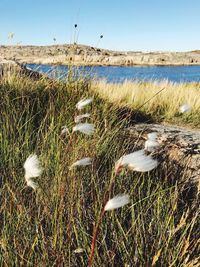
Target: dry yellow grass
pixel 161 106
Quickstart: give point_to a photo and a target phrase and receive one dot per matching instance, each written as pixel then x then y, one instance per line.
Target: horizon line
pixel 96 47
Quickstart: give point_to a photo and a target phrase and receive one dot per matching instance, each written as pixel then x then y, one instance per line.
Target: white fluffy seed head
pixel 64 130
pixel 117 202
pixel 83 102
pixel 32 167
pixel 32 184
pixel 185 108
pixel 86 128
pixel 136 161
pixel 80 117
pixel 82 162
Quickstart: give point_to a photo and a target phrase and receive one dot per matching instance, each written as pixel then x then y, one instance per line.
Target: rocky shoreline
pixel 10 67
pixel 91 56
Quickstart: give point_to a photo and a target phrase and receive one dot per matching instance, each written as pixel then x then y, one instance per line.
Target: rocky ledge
pixel 10 67
pixel 87 55
pixel 179 149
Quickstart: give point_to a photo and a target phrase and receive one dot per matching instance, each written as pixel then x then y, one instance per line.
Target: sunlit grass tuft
pixel 163 106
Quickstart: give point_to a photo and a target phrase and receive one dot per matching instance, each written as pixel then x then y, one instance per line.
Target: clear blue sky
pixel 142 25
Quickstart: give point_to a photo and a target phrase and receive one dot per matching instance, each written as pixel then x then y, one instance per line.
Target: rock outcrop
pixel 7 66
pixel 179 148
pixel 87 55
pixel 10 67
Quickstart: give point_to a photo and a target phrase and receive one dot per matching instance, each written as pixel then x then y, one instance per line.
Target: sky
pixel 136 25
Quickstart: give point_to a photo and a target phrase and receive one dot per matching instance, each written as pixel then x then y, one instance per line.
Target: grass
pixel 47 226
pixel 162 107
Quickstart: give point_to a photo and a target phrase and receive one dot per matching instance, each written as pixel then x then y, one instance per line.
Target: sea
pixel 119 74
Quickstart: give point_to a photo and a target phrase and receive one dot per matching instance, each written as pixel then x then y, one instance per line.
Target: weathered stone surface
pixel 86 55
pixel 9 67
pixel 180 146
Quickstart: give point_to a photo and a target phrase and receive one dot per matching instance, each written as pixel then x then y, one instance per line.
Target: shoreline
pixel 83 64
pixel 82 55
pixel 9 66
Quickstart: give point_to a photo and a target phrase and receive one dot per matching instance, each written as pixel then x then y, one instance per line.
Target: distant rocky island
pixel 91 56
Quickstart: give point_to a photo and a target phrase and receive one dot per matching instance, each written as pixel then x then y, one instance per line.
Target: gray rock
pixel 9 67
pixel 56 54
pixel 180 146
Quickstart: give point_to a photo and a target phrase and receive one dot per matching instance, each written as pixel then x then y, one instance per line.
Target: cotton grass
pixel 86 128
pixel 117 202
pixel 136 161
pixel 79 118
pixel 61 220
pixel 84 102
pixel 185 108
pixel 32 170
pixel 82 162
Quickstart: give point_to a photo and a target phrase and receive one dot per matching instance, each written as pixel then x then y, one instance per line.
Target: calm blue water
pixel 120 74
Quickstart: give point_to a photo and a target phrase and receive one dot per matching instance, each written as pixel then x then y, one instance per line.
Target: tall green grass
pixel 47 226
